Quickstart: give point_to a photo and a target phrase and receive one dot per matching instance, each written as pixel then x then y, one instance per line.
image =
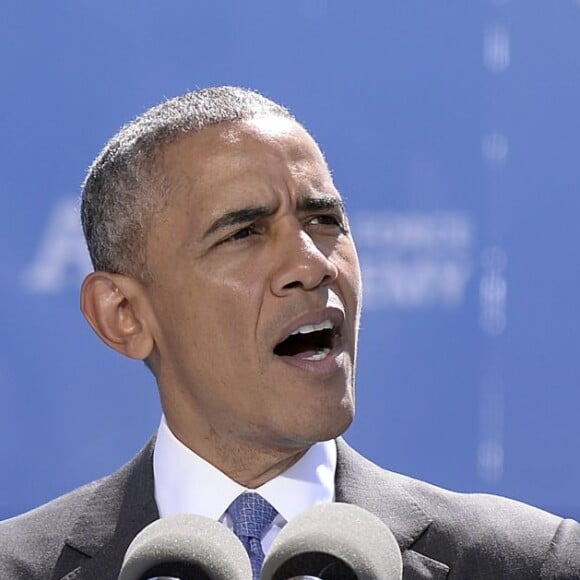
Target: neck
pixel 252 474
pixel 249 464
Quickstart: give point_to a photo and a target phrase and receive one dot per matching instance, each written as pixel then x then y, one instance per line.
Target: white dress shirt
pixel 187 484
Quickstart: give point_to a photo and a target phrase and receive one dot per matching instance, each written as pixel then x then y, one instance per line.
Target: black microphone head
pixel 334 541
pixel 187 547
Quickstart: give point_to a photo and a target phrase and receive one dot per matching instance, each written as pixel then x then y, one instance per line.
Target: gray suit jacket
pixel 83 535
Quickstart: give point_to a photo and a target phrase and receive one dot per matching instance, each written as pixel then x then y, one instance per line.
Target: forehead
pixel 236 157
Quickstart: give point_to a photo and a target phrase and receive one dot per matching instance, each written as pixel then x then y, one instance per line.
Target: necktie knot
pixel 251 514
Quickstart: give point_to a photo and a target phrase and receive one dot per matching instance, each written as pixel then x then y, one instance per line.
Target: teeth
pixel 319 355
pixel 324 325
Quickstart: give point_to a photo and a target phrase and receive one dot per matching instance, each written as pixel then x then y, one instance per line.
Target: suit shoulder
pixel 485 514
pixel 473 533
pixel 481 513
pixel 478 513
pixel 487 530
pixel 32 541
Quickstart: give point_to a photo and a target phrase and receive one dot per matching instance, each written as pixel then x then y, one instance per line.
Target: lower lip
pixel 330 364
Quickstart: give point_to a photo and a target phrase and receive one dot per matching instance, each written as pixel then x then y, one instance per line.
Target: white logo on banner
pixel 62 259
pixel 490 451
pixel 414 260
pixel 493 291
pixel 496 48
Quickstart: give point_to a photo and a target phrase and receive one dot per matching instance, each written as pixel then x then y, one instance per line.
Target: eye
pixel 243 233
pixel 329 220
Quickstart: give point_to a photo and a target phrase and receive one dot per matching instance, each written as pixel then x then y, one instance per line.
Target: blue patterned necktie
pixel 251 514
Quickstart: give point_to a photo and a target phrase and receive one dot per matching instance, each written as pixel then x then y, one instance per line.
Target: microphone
pixel 189 547
pixel 335 541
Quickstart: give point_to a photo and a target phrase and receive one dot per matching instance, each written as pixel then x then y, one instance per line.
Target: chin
pixel 328 426
pixel 339 427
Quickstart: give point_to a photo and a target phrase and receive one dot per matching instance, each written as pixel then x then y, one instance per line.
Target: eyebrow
pixel 239 216
pixel 252 213
pixel 328 202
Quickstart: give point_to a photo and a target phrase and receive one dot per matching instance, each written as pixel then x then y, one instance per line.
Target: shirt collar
pixel 186 483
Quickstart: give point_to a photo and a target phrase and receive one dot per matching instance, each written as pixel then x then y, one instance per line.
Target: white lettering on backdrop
pixel 61 260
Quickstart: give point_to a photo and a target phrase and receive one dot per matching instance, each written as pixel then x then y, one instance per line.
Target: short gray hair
pixel 123 188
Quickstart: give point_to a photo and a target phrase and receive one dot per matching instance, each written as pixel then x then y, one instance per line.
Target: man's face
pixel 256 290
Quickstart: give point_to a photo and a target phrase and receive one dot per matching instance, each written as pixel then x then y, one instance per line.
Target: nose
pixel 301 264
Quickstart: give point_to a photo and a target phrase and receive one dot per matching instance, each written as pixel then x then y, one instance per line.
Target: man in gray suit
pixel 223 259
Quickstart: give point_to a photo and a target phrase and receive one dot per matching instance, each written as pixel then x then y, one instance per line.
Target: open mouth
pixel 310 341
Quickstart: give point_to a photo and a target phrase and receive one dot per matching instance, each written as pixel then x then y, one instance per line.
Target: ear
pixel 116 307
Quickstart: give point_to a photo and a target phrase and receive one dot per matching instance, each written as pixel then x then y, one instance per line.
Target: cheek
pixel 229 307
pixel 239 286
pixel 346 258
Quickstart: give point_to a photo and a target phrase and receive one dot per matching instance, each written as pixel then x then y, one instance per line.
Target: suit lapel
pixel 362 483
pixel 118 509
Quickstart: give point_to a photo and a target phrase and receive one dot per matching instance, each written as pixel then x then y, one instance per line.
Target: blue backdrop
pixel 453 132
